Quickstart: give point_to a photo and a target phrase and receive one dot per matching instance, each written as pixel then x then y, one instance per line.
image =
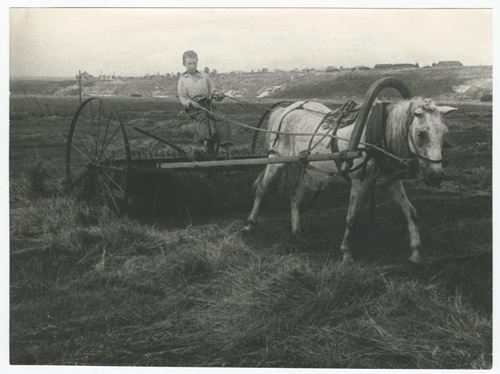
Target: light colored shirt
pixel 190 86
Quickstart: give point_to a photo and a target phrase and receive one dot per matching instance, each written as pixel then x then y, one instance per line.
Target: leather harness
pixel 375 134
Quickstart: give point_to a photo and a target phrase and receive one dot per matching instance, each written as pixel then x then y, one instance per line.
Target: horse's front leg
pixel 358 192
pixel 397 194
pixel 262 184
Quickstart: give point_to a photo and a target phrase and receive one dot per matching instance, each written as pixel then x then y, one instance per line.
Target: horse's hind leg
pixel 397 194
pixel 358 192
pixel 308 182
pixel 297 197
pixel 262 185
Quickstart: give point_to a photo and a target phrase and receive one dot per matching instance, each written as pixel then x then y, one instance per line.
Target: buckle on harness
pixel 303 157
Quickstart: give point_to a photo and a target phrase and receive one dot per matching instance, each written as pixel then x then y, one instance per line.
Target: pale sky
pixel 134 42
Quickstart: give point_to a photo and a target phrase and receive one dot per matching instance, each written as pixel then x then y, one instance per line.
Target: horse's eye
pixel 422 136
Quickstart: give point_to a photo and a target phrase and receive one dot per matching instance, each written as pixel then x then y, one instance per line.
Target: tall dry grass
pixel 89 288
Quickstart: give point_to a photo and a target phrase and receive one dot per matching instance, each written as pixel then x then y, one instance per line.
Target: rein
pixel 406 163
pixel 267 108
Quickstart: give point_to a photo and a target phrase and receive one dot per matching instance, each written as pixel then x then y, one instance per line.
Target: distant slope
pixel 465 82
pixel 38 86
pixel 468 82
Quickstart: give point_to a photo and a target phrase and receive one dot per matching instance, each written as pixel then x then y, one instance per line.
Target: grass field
pixel 184 287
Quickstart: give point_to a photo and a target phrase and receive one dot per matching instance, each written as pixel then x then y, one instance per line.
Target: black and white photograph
pixel 293 187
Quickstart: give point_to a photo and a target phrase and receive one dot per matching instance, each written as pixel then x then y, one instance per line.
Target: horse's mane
pixel 399 119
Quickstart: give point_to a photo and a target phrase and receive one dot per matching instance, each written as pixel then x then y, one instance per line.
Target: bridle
pixel 418 155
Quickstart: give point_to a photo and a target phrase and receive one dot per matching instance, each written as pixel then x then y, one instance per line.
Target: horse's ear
pixel 446 109
pixel 418 112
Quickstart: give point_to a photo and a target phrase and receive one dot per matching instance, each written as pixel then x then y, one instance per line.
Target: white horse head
pixel 415 129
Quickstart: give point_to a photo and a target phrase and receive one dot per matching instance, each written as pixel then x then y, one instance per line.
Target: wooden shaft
pixel 370 96
pixel 199 165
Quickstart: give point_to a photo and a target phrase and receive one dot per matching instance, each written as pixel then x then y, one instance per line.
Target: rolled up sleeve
pixel 182 92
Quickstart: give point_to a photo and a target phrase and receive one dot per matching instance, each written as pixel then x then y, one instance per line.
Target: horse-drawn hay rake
pixel 100 166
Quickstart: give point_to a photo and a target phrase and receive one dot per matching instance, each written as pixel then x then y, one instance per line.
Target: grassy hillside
pixel 431 82
pixel 456 83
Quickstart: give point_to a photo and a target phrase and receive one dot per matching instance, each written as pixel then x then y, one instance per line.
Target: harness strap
pixel 321 123
pixel 334 148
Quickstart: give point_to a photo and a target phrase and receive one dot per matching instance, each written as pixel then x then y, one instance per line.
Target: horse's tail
pixel 277 107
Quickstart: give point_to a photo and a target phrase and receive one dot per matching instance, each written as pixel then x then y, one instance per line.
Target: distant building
pixel 382 66
pixel 448 64
pixel 404 66
pixel 331 69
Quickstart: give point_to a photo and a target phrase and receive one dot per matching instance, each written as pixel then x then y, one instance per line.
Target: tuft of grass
pixel 42 183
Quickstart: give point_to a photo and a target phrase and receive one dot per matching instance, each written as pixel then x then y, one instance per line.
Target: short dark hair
pixel 189 54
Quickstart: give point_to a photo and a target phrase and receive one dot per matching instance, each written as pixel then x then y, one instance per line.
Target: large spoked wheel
pixel 98 157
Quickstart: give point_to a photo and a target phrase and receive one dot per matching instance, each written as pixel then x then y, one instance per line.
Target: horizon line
pixel 234 71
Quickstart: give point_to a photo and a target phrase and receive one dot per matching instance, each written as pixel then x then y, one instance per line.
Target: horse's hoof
pixel 347 258
pixel 248 228
pixel 416 258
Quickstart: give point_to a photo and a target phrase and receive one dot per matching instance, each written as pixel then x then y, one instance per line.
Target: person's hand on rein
pixel 218 96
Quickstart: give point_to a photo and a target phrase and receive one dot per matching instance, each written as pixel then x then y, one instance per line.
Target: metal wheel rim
pixel 92 147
